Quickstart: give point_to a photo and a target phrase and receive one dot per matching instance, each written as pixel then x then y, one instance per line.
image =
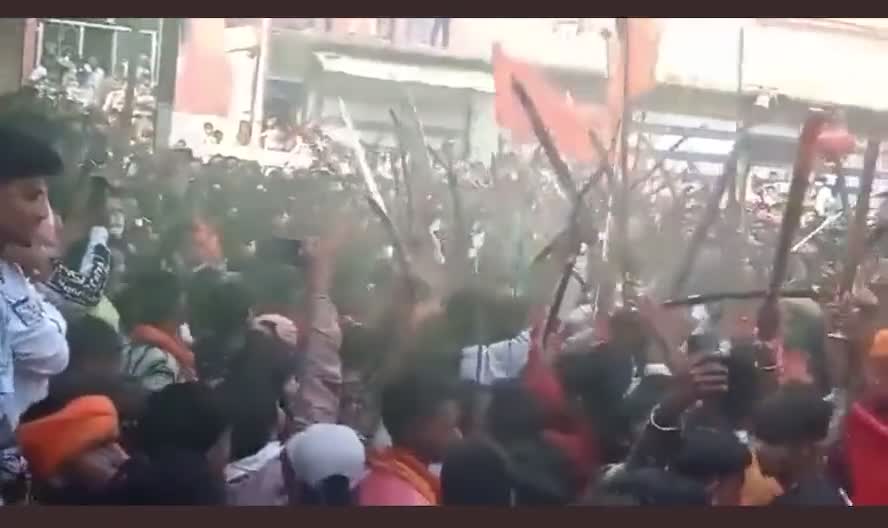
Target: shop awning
pixel 478 81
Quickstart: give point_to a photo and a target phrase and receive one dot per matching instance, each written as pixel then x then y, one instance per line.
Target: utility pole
pixel 166 80
pixel 258 111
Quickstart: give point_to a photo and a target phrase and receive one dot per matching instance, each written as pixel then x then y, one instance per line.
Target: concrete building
pixel 706 71
pixel 17 52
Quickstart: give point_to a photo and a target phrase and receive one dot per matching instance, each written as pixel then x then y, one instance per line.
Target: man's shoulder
pixel 147 355
pixel 384 488
pixel 815 492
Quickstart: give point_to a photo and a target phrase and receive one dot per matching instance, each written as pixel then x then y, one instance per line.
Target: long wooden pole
pixel 622 216
pixel 857 233
pixel 710 215
pixel 257 111
pixel 801 172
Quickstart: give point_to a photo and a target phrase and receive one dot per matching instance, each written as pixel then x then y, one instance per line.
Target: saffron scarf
pixel 407 467
pixel 154 336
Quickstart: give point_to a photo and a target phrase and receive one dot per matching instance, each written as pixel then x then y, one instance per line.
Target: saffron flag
pixel 637 44
pixel 568 122
pixel 204 76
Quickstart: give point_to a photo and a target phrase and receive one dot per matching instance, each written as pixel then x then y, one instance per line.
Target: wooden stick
pixel 710 215
pixel 574 243
pixel 637 156
pixel 622 212
pixel 823 225
pixel 461 235
pixel 410 214
pixel 369 180
pixel 857 232
pixel 842 184
pixel 800 175
pixel 374 200
pixel 660 161
pixel 565 179
pixel 809 293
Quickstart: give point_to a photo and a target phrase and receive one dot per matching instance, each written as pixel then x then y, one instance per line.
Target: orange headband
pixel 83 424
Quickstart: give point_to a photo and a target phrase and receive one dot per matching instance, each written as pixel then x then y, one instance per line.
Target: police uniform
pixel 35 337
pixel 32 333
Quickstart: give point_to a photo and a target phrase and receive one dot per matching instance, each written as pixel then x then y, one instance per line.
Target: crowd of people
pixel 181 332
pixel 73 85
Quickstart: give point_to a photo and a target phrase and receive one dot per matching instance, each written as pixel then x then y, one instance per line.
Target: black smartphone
pixel 282 250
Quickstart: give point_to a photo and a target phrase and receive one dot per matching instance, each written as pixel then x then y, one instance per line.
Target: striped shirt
pixel 154 367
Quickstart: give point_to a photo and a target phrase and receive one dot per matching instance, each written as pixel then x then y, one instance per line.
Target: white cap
pixel 325 450
pixel 281 327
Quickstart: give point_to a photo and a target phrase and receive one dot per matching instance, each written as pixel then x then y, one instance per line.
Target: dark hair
pixel 252 411
pixel 514 412
pixel 542 473
pixel 600 376
pixel 217 305
pixel 658 487
pixel 476 473
pixel 127 395
pixel 25 156
pixel 601 379
pixel 411 398
pixel 168 478
pixel 263 361
pixel 472 397
pixel 708 454
pixel 795 414
pixel 199 290
pixel 476 313
pixel 182 416
pixel 334 490
pixel 152 297
pixel 273 284
pixel 91 339
pixel 806 331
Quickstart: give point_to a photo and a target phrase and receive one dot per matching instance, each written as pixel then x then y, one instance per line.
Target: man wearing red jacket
pixel 865 441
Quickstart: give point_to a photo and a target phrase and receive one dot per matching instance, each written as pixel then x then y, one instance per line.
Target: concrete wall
pixel 442 111
pixel 12 52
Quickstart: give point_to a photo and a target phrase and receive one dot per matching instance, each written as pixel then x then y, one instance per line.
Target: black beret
pixel 24 156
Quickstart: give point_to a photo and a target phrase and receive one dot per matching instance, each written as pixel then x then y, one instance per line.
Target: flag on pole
pixel 641 37
pixel 568 123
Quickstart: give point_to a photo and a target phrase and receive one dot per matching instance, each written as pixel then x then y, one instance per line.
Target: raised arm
pixel 317 399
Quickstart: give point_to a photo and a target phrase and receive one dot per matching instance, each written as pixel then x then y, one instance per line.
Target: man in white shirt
pixel 825 201
pixel 24 206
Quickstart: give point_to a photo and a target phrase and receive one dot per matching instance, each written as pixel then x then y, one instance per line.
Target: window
pixel 98 43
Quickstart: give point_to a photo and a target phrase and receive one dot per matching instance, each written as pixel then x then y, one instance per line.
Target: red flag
pixel 203 82
pixel 567 122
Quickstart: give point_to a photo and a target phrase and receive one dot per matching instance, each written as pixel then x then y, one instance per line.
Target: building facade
pixel 707 70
